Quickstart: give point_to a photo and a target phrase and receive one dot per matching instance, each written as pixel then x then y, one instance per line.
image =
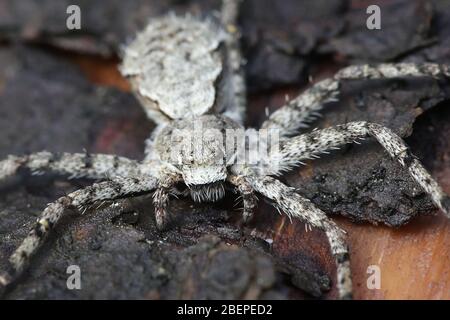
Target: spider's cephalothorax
pixel 196 149
pixel 187 74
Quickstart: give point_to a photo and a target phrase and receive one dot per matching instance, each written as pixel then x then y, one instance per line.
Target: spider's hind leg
pixel 294 205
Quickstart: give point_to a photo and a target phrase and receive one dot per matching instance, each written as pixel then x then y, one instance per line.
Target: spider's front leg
pixel 103 191
pixel 294 205
pixel 298 112
pixel 248 196
pixel 74 165
pixel 310 145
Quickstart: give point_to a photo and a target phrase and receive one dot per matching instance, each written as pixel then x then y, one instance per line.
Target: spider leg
pixel 248 196
pixel 75 165
pixel 295 206
pixel 107 190
pixel 161 199
pixel 236 104
pixel 310 145
pixel 297 113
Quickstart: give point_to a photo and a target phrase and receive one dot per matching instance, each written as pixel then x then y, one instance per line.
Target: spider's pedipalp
pixel 161 202
pixel 295 206
pixel 163 190
pixel 296 114
pixel 310 145
pixel 107 190
pixel 247 193
pixel 73 165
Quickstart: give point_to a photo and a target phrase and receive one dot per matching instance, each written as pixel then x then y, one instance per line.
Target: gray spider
pixel 187 71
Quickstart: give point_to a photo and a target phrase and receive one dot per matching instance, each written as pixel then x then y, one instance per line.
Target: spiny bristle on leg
pixel 210 192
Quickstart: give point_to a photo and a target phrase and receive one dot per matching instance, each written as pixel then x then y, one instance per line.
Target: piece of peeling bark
pixel 279 38
pixel 404 27
pixel 440 51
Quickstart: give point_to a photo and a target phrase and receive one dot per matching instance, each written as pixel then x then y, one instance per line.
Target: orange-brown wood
pixel 101 71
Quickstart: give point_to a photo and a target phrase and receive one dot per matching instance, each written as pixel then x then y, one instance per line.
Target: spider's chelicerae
pixel 186 70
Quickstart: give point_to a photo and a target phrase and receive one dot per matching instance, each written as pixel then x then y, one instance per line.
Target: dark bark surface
pixel 105 27
pixel 47 103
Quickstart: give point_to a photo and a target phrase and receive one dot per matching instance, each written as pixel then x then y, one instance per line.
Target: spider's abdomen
pixel 174 66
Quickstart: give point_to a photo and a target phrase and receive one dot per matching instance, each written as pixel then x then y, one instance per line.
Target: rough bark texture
pixel 47 103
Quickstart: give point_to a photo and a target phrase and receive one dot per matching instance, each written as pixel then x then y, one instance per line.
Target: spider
pixel 187 71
